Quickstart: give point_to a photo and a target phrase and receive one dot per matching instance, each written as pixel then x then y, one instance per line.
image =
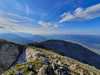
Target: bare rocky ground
pixel 38 61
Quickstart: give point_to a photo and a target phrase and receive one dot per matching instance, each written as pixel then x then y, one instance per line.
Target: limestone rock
pixel 53 65
pixel 59 62
pixel 63 65
pixel 43 70
pixel 13 71
pixel 20 73
pixel 29 67
pixel 46 60
pixel 28 55
pixel 8 55
pixel 31 54
pixel 21 59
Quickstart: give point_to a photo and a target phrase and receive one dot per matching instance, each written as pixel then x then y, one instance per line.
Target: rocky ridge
pixel 38 61
pixel 74 51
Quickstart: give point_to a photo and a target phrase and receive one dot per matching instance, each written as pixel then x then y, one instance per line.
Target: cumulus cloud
pixel 81 14
pixel 47 24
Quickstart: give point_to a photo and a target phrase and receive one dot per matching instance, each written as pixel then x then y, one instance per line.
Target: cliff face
pixel 28 55
pixel 12 54
pixel 74 51
pixel 8 55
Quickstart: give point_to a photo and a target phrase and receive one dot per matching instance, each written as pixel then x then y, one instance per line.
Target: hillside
pixel 30 60
pixel 74 51
pixel 15 38
pixel 90 41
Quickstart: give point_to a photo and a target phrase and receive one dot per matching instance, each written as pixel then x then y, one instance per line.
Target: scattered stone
pixel 63 73
pixel 75 66
pixel 91 73
pixel 38 54
pixel 20 73
pixel 57 65
pixel 53 65
pixel 59 62
pixel 57 71
pixel 56 56
pixel 60 68
pixel 29 67
pixel 71 66
pixel 43 70
pixel 81 73
pixel 41 57
pixel 13 71
pixel 63 65
pixel 46 60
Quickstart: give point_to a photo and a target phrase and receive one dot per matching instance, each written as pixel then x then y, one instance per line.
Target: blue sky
pixel 50 16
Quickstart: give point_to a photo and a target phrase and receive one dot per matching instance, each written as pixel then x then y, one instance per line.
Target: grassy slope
pixel 37 64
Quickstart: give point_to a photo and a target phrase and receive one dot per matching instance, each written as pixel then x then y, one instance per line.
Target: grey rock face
pixel 74 51
pixel 53 65
pixel 22 58
pixel 43 70
pixel 8 55
pixel 28 55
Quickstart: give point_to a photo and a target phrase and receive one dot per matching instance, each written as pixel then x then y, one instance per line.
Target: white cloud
pixel 15 17
pixel 28 10
pixel 14 21
pixel 81 14
pixel 47 24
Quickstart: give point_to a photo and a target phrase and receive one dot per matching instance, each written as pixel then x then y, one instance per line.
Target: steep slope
pixel 15 38
pixel 74 51
pixel 9 52
pixel 48 62
pixel 25 60
pixel 90 41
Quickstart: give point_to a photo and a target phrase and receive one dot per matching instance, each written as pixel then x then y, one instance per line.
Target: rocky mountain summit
pixel 17 59
pixel 74 51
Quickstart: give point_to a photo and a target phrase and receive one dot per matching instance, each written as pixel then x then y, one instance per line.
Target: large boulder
pixel 28 55
pixel 8 55
pixel 44 70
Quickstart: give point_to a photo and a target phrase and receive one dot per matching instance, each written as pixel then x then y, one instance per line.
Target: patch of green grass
pixel 86 72
pixel 36 65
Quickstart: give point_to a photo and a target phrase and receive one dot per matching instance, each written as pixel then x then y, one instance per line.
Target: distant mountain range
pixel 22 38
pixel 92 42
pixel 15 38
pixel 37 38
